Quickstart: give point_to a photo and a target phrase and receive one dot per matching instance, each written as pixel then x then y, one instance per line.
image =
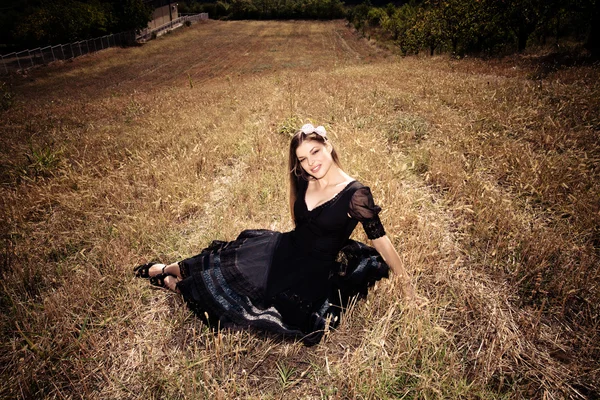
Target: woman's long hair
pixel 296 171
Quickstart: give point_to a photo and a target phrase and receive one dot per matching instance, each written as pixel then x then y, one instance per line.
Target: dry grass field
pixel 487 171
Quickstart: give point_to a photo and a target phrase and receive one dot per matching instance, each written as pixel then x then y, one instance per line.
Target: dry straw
pixel 488 180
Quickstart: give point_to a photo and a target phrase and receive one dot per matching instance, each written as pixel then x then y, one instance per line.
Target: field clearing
pixel 487 172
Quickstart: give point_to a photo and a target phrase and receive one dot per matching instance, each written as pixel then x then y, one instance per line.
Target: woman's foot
pixel 143 271
pixel 165 276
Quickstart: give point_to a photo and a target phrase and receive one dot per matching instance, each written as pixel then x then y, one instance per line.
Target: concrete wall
pixel 163 15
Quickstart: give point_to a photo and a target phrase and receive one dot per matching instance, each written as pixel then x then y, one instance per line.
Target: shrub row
pixel 484 27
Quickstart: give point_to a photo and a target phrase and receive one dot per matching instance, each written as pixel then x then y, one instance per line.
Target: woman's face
pixel 315 158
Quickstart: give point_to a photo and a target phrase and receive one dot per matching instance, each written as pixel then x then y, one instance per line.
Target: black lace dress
pixel 289 283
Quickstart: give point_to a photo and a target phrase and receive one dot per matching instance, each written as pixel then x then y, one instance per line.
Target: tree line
pixel 480 26
pixel 32 23
pixel 457 26
pixel 267 9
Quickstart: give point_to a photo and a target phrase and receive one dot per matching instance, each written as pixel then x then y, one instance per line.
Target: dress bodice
pixel 304 256
pixel 323 230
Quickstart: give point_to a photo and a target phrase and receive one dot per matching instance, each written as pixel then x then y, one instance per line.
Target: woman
pixel 292 283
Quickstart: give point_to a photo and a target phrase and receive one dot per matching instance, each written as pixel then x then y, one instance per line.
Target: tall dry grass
pixel 487 173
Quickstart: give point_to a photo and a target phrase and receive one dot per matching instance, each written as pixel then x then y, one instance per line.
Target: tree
pixel 430 28
pixel 460 25
pixel 402 20
pixel 358 15
pixel 376 17
pixel 522 18
pixel 59 21
pixel 62 21
pixel 128 15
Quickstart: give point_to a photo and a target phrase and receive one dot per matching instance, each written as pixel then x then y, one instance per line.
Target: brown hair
pixel 296 171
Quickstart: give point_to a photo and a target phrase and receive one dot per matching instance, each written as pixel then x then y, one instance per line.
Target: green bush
pixel 479 27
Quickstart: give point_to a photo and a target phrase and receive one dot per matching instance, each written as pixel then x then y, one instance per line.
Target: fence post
pixel 62 51
pixel 18 61
pixel 5 67
pixel 52 52
pixel 30 58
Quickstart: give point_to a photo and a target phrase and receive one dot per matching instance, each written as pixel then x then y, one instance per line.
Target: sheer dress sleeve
pixel 363 209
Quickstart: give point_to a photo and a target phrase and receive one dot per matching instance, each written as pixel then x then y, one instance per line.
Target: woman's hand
pixel 408 291
pixel 409 295
pixel 384 246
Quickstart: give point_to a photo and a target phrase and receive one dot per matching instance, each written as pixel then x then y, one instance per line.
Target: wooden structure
pixel 165 12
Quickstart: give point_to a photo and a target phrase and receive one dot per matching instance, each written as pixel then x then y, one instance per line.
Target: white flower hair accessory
pixel 307 129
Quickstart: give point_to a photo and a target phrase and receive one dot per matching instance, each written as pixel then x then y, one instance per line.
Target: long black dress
pixel 289 283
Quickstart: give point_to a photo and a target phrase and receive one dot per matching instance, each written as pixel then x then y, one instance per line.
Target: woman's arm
pixel 384 246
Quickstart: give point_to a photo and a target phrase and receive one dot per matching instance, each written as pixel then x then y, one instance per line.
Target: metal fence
pixel 148 33
pixel 26 59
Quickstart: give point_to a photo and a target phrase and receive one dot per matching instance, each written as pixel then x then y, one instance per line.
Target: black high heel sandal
pixel 143 271
pixel 159 280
